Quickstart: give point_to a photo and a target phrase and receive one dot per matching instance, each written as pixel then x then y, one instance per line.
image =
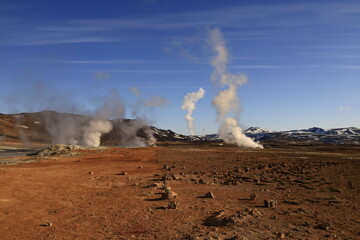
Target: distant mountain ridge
pixel 347 135
pixel 32 127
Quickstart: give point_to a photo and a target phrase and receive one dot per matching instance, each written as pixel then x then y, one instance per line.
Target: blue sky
pixel 302 58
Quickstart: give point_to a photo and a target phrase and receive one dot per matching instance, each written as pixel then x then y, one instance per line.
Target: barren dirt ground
pixel 313 194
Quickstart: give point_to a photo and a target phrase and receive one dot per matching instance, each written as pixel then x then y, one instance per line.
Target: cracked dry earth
pixel 184 192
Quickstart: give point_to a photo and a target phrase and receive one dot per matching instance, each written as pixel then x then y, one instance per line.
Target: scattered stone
pixel 270 203
pixel 281 236
pixel 323 226
pixel 169 195
pixel 233 238
pixel 155 185
pixel 291 202
pixel 219 219
pixel 249 211
pixel 202 181
pixel 167 189
pixel 253 197
pixel 172 205
pixel 48 224
pixel 209 195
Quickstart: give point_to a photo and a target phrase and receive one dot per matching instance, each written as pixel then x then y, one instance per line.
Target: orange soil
pixel 84 197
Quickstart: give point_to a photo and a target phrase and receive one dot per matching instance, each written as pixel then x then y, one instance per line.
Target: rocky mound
pixel 58 149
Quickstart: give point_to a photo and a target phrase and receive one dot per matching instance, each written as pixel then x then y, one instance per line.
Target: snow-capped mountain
pixel 350 135
pixel 33 124
pixel 257 130
pixel 315 130
pixel 344 131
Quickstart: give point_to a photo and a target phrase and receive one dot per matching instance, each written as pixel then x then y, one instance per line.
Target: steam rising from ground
pixel 189 104
pixel 135 133
pixel 94 130
pixel 227 100
pixel 72 129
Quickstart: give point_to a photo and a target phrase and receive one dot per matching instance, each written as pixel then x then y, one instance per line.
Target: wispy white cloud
pixel 260 66
pixel 102 75
pixel 155 101
pixel 339 46
pixel 276 20
pixel 155 71
pixel 325 55
pixel 294 66
pixel 144 71
pixel 49 41
pixel 116 61
pixel 350 66
pixel 280 15
pixel 344 108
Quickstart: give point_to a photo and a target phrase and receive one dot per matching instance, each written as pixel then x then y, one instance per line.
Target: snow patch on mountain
pixel 257 130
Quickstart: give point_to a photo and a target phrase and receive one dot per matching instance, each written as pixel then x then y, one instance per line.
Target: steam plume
pixel 83 130
pixel 227 100
pixel 189 104
pixel 94 130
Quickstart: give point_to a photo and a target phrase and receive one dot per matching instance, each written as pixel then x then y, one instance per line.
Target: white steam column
pixel 189 104
pixel 227 100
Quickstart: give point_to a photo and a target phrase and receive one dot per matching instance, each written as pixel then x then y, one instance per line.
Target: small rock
pixel 270 203
pixel 140 167
pixel 122 173
pixel 281 236
pixel 90 172
pixel 169 195
pixel 209 195
pixel 172 205
pixel 253 196
pixel 323 226
pixel 233 238
pixel 48 224
pixel 219 219
pixel 202 181
pixel 155 185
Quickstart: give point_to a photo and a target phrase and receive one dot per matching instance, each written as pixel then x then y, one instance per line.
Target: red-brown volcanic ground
pixel 84 197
